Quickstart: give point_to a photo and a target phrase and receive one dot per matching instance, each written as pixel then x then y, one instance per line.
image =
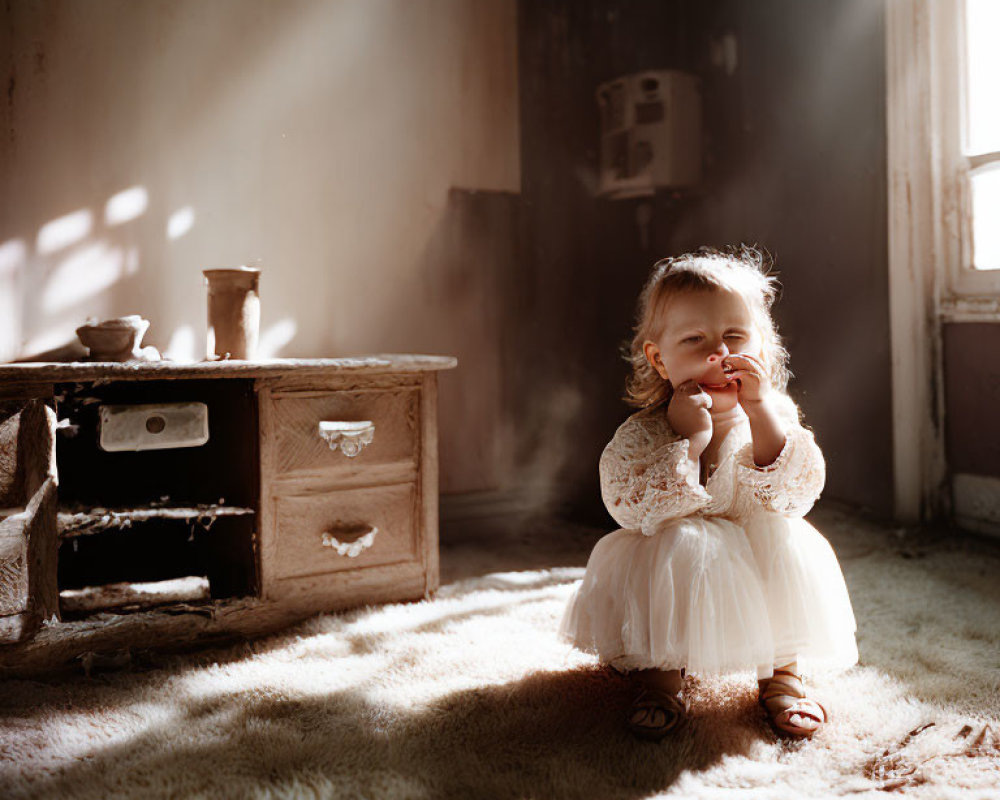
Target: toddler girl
pixel 713 569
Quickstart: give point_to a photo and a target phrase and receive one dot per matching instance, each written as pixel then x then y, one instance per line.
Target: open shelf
pixel 161 548
pixel 122 598
pixel 96 520
pixel 151 527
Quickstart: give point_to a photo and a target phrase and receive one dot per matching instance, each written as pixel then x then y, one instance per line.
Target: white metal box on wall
pixel 650 133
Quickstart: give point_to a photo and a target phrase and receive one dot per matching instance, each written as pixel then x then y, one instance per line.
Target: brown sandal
pixel 784 697
pixel 655 713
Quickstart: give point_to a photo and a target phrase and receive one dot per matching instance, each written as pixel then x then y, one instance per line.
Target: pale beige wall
pixel 318 140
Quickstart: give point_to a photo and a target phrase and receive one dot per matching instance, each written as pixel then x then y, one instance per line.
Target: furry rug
pixel 471 695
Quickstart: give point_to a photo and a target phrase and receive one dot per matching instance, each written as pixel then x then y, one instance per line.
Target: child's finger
pixel 761 366
pixel 694 394
pixel 740 360
pixel 742 374
pixel 751 359
pixel 700 399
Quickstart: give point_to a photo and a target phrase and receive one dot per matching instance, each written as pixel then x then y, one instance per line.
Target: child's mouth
pixel 716 387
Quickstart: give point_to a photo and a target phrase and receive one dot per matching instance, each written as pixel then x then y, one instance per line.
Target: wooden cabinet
pixel 306 486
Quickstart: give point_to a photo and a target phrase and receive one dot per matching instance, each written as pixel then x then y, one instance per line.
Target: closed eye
pixel 735 335
pixel 691 339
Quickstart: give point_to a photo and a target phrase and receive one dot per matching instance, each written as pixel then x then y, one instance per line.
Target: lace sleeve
pixel 645 476
pixel 793 482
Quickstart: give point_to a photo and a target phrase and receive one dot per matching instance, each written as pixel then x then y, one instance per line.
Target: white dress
pixel 716 578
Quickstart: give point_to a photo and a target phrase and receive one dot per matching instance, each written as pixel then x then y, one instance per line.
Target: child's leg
pixel 784 698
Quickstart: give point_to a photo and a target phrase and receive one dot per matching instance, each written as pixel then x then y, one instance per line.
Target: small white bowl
pixel 114 339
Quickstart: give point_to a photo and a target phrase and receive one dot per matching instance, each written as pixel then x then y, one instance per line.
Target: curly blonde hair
pixel 743 269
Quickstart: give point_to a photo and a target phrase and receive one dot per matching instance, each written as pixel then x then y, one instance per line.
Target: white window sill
pixel 982 308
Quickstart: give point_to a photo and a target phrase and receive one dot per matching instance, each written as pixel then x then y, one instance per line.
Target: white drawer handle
pixel 350 437
pixel 354 548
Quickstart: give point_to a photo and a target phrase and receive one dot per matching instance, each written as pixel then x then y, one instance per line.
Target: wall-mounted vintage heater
pixel 650 133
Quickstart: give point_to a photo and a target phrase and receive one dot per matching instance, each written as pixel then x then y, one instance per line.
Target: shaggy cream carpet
pixel 471 695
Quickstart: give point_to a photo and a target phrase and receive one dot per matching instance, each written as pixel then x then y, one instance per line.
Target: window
pixel 965 34
pixel 982 130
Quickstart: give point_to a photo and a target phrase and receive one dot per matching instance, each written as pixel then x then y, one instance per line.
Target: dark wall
pixel 794 160
pixel 972 396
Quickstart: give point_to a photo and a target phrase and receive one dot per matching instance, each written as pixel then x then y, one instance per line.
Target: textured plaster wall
pixel 141 142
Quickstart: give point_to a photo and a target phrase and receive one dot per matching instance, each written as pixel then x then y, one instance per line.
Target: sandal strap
pixel 651 700
pixel 783 684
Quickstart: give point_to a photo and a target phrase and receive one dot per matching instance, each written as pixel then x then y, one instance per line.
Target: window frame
pixel 922 248
pixel 931 278
pixel 968 294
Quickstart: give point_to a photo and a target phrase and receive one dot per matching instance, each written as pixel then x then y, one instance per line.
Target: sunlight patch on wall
pixel 276 338
pixel 87 272
pixel 180 222
pixel 132 261
pixel 182 345
pixel 126 205
pixel 64 231
pixel 13 255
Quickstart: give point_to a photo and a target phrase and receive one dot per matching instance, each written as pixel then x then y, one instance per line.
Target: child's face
pixel 700 329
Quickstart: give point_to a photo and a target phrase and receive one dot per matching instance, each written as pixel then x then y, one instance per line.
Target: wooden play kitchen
pixel 147 504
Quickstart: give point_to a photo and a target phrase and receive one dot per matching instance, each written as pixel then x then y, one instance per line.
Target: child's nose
pixel 719 353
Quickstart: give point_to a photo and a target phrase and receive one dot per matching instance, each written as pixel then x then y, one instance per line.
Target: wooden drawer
pixel 311 528
pixel 300 448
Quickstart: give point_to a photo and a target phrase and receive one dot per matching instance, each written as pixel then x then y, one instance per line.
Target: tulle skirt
pixel 708 595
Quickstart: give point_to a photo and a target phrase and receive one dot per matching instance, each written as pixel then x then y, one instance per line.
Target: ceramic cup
pixel 233 312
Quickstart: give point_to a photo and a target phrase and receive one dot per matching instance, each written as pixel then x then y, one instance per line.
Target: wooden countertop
pixel 93 370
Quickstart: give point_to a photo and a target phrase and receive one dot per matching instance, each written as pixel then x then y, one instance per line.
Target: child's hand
pixel 750 374
pixel 754 388
pixel 688 416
